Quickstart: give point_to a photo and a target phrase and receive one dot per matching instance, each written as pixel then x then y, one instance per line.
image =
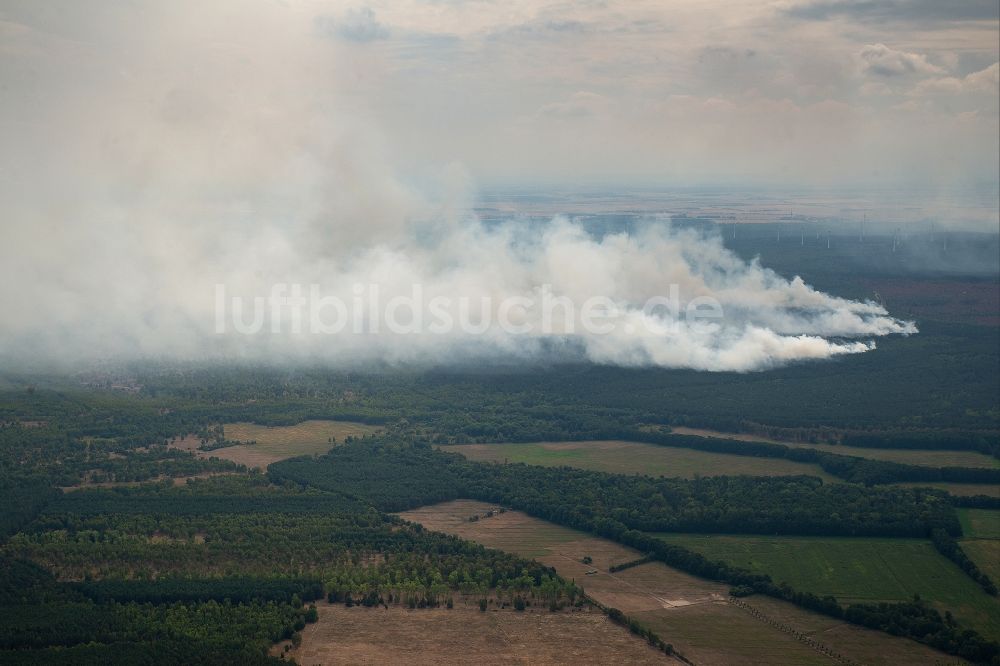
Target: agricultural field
pixel 857 569
pixel 927 458
pixel 986 554
pixel 691 613
pixel 512 531
pixel 982 539
pixel 273 443
pixel 621 457
pixel 980 523
pixel 851 640
pixel 464 635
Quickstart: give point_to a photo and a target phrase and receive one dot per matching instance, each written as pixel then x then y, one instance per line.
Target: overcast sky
pixel 511 92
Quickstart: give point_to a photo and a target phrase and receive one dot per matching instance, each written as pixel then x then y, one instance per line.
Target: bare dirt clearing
pixel 464 635
pixel 689 612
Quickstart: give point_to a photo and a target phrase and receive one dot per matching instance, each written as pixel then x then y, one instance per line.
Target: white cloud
pixel 984 81
pixel 881 60
pixel 355 25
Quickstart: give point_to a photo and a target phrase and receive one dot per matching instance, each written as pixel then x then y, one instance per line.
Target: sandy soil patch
pixel 277 442
pixel 464 635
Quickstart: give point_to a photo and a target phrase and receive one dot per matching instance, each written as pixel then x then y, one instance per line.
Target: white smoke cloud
pixel 151 291
pixel 131 189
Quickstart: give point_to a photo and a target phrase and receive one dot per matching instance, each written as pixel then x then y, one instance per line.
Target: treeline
pixel 849 468
pixel 976 501
pixel 947 546
pixel 235 589
pixel 237 628
pixel 870 472
pixel 615 568
pixel 650 636
pixel 397 477
pixel 916 620
pixel 161 652
pixel 947 441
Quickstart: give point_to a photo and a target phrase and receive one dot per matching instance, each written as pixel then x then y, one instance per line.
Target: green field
pixel 982 539
pixel 635 458
pixel 986 554
pixel 857 569
pixel 980 523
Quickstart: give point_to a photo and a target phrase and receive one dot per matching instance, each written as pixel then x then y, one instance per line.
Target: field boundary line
pixel 892 572
pixel 798 635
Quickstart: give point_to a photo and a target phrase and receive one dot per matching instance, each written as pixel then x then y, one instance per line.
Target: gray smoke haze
pixel 137 277
pixel 168 161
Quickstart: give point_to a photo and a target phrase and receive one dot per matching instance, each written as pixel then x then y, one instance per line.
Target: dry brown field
pixel 464 635
pixel 274 443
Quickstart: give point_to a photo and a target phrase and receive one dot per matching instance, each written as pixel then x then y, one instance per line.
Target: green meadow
pixel 857 570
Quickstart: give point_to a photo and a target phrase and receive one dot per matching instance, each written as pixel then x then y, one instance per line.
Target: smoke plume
pixel 139 187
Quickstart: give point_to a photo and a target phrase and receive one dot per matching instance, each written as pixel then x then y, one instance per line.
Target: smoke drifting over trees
pixel 423 283
pixel 135 187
